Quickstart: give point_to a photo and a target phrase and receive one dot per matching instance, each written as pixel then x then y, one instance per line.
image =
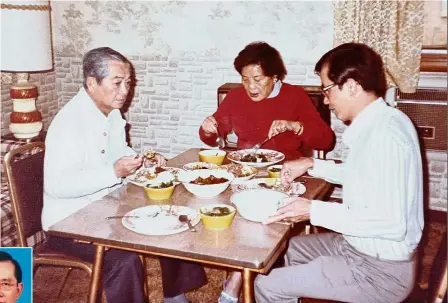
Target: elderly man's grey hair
pixel 96 63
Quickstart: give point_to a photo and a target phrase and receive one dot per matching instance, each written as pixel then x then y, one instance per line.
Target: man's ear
pixel 91 84
pixel 19 290
pixel 352 87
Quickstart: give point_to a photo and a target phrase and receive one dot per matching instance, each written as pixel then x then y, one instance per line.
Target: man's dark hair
pixel 96 63
pixel 263 54
pixel 358 62
pixel 5 257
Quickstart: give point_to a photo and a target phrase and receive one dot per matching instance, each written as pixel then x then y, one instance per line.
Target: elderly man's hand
pixel 295 209
pixel 127 165
pixel 210 125
pixel 294 169
pixel 157 160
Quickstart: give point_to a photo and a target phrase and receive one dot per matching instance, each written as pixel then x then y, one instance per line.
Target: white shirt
pixel 82 145
pixel 382 210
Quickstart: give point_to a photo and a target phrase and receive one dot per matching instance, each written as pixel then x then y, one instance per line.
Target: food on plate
pixel 254 158
pixel 217 211
pixel 239 170
pixel 149 154
pixel 161 185
pixel 159 169
pixel 209 180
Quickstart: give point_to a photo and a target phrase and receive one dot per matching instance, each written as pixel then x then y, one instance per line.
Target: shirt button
pixel 103 151
pixel 104 134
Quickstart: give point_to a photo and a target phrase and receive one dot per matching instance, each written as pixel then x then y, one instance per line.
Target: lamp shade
pixel 25 36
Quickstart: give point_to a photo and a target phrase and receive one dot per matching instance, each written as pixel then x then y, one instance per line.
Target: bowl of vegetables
pixel 217 216
pixel 274 171
pixel 215 156
pixel 159 191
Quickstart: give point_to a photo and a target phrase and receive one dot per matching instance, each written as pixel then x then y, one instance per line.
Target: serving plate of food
pixel 261 158
pixel 199 165
pixel 158 220
pixel 145 176
pixel 240 171
pixel 296 188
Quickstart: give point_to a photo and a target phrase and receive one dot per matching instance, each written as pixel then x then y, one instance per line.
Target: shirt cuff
pixel 319 166
pixel 317 213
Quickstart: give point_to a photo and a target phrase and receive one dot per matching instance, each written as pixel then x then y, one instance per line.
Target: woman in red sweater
pixel 265 107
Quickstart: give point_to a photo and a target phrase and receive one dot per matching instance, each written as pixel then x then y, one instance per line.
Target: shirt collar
pixel 276 90
pixel 362 121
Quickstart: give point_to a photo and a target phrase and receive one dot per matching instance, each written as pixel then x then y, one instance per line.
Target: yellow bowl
pixel 272 173
pixel 215 156
pixel 159 193
pixel 218 222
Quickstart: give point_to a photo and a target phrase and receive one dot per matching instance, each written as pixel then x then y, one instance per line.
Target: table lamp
pixel 26 47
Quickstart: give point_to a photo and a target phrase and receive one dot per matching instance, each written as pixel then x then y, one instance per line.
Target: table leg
pixel 248 286
pixel 96 274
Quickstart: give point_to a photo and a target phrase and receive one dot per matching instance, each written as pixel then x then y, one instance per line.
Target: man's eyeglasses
pixel 325 89
pixel 5 285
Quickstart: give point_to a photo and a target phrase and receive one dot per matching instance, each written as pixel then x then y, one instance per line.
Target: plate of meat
pixel 261 158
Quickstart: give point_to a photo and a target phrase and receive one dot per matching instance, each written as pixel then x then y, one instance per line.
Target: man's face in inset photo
pixel 10 289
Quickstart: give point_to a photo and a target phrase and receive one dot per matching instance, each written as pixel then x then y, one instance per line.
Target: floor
pixel 48 281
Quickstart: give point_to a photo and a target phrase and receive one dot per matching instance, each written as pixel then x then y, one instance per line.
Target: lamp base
pixel 25 119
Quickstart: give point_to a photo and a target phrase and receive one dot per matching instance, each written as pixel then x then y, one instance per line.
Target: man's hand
pixel 157 160
pixel 294 169
pixel 127 165
pixel 210 125
pixel 295 209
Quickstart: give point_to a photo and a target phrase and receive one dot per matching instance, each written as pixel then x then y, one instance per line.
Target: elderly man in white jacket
pixel 86 158
pixel 372 256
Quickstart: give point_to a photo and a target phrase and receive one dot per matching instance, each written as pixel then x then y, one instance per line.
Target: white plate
pixel 272 156
pixel 199 165
pixel 297 188
pixel 158 220
pixel 240 171
pixel 140 177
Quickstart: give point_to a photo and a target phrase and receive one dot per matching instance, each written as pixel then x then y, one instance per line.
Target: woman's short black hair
pixel 358 62
pixel 263 54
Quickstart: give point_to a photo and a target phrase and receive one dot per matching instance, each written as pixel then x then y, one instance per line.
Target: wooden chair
pixel 24 169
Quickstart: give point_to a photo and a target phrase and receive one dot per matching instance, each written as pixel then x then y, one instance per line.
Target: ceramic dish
pixel 264 157
pixel 159 219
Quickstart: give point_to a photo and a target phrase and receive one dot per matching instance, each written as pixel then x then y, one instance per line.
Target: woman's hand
pixel 281 126
pixel 210 125
pixel 295 209
pixel 294 169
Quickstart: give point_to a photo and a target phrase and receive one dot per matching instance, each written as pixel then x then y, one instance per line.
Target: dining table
pixel 250 247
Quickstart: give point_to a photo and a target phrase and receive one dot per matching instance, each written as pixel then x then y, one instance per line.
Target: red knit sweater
pixel 251 121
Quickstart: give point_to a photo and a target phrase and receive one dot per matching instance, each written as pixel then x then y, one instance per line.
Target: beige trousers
pixel 325 266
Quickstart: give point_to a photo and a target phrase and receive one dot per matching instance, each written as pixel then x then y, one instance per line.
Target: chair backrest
pixel 316 97
pixel 437 285
pixel 24 169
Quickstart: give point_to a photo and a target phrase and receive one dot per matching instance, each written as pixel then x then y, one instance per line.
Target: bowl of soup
pixel 159 191
pixel 214 156
pixel 257 204
pixel 206 183
pixel 217 216
pixel 274 171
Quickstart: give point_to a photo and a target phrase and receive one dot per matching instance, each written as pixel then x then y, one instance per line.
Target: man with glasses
pixel 11 285
pixel 378 225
